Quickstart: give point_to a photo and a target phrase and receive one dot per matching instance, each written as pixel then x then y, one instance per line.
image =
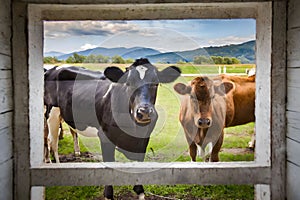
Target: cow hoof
pixel 77 154
pixel 142 196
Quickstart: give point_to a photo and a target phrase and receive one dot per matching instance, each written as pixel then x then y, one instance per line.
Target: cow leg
pixel 251 144
pixel 216 149
pixel 193 151
pixel 76 142
pixel 61 134
pixel 108 154
pixel 53 124
pixel 139 190
pixel 46 145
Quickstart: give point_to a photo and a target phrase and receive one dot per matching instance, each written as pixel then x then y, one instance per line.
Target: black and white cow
pixel 120 108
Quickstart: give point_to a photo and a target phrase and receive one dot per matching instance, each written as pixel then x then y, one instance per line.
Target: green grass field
pixel 168 144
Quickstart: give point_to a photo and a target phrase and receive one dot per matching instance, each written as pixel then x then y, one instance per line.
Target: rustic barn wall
pixel 293 103
pixel 6 103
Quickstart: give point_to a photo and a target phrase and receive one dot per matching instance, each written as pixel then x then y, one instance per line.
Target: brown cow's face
pixel 202 91
pixel 201 96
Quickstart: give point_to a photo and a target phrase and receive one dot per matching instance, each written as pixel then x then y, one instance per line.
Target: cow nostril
pixel 200 122
pixel 204 121
pixel 207 122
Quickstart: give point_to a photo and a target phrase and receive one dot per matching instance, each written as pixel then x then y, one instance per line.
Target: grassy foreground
pixel 167 144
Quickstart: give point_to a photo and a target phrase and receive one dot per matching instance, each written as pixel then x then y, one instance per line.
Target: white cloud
pixel 229 40
pixel 54 29
pixel 88 46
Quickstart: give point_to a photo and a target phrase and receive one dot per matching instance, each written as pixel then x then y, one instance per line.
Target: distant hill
pixel 53 54
pixel 134 52
pixel 245 52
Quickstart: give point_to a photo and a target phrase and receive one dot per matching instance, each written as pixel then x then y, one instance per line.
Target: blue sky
pixel 163 35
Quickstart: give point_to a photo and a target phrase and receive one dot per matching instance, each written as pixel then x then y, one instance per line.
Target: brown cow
pixel 202 115
pixel 240 101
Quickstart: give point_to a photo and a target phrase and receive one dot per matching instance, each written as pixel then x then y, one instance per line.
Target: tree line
pixel 76 58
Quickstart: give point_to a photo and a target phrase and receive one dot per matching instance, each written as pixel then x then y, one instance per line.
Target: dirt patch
pixel 84 157
pixel 238 151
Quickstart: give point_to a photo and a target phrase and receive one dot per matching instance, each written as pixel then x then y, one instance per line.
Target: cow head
pixel 141 80
pixel 202 92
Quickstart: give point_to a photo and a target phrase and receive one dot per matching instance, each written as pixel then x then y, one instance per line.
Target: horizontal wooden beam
pixel 146 11
pixel 80 174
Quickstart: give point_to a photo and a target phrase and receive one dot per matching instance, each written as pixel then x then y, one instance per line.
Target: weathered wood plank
pixel 6 180
pixel 293 149
pixel 147 11
pixel 5 62
pixel 278 101
pixel 293 49
pixel 6 119
pixel 293 181
pixel 149 173
pixel 6 100
pixel 293 125
pixel 293 95
pixel 293 75
pixel 293 14
pixel 5 144
pixel 136 1
pixel 21 95
pixel 5 27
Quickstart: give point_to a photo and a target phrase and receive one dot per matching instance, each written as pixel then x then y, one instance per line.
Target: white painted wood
pixel 36 87
pixel 262 192
pixel 5 144
pixel 86 174
pixel 263 84
pixel 6 180
pixel 149 173
pixel 293 149
pixel 293 181
pixel 293 125
pixel 133 1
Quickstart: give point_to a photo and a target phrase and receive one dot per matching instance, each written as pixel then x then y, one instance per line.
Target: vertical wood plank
pixel 278 99
pixel 21 96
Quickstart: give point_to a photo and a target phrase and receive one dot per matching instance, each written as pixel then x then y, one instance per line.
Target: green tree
pixel 51 60
pixel 117 59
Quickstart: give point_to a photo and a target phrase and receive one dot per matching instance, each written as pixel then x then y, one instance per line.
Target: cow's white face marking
pixel 142 71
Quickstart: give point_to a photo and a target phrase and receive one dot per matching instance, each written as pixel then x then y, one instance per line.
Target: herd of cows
pixel 119 108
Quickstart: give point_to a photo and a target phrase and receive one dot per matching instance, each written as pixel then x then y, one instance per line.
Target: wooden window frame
pixel 267 172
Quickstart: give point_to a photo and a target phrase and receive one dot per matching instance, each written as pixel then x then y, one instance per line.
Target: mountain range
pixel 244 51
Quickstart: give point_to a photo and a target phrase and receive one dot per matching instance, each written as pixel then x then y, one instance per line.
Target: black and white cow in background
pixel 120 108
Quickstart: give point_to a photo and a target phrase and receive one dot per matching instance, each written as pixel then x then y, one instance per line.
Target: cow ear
pixel 182 89
pixel 113 73
pixel 224 88
pixel 169 74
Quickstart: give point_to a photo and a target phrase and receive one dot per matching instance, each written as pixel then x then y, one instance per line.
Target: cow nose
pixel 143 113
pixel 204 122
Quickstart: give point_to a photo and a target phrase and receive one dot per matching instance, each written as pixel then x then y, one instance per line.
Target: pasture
pixel 167 144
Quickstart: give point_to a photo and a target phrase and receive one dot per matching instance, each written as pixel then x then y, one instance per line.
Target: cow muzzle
pixel 204 122
pixel 143 114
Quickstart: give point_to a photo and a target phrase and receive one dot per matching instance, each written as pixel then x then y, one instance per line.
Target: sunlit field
pixel 167 144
